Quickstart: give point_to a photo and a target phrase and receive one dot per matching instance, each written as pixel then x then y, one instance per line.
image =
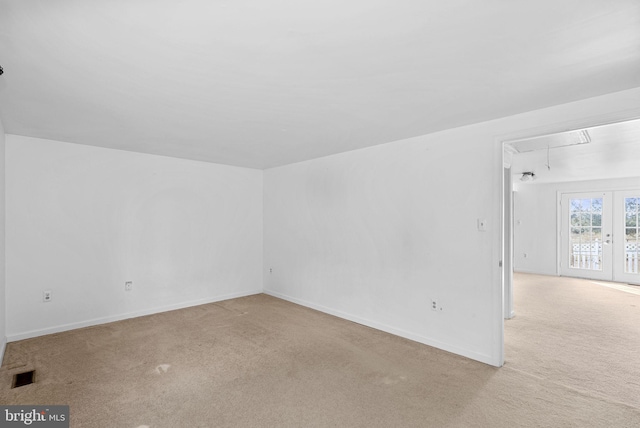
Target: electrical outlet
pixel 46 296
pixel 434 305
pixel 128 286
pixel 270 270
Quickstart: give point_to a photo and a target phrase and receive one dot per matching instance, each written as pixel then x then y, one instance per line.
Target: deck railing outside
pixel 589 256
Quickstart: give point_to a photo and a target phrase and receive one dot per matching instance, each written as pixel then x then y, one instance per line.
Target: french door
pixel 627 226
pixel 586 242
pixel 599 235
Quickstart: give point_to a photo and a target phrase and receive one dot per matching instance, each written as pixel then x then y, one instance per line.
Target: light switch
pixel 482 224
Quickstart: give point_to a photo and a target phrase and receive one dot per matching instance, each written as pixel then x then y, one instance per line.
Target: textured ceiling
pixel 260 83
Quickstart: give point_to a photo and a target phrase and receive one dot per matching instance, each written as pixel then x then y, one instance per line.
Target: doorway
pixel 628 225
pixel 568 161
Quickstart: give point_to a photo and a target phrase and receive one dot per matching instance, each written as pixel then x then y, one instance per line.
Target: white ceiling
pixel 261 83
pixel 614 152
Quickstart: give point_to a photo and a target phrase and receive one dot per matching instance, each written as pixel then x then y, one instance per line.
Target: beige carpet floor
pixel 573 360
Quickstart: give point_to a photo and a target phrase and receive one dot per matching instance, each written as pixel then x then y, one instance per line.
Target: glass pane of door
pixel 632 209
pixel 586 233
pixel 586 249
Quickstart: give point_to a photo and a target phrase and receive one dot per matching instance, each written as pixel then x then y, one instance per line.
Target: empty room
pixel 295 213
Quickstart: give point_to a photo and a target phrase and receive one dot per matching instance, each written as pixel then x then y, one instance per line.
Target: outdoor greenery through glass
pixel 632 225
pixel 586 233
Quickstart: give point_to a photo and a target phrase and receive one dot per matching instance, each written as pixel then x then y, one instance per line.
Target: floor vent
pixel 22 379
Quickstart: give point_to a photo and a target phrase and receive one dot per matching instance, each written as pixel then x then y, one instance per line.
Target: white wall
pixel 534 229
pixel 536 217
pixel 3 306
pixel 83 220
pixel 373 235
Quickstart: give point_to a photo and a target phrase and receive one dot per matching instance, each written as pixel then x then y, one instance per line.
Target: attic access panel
pixel 551 141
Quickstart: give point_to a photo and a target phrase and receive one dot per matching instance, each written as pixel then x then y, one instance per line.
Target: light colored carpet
pixel 579 334
pixel 572 360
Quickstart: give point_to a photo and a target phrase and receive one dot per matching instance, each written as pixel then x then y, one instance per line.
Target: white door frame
pixel 619 236
pixel 507 266
pixel 606 273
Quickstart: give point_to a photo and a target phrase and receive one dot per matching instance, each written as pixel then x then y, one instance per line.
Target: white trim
pixel 498 256
pixel 507 237
pixel 487 359
pixel 625 188
pixel 119 317
pixel 3 347
pixel 559 233
pixel 509 151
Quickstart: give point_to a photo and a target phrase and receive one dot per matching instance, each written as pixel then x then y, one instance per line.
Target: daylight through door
pixel 586 235
pixel 600 235
pixel 627 266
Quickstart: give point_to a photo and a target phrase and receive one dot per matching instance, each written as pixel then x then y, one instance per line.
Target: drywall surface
pixel 534 229
pixel 535 225
pixel 83 220
pixel 375 235
pixel 3 305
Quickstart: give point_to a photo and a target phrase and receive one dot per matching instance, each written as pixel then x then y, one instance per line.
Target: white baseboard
pixel 103 320
pixel 487 359
pixel 3 346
